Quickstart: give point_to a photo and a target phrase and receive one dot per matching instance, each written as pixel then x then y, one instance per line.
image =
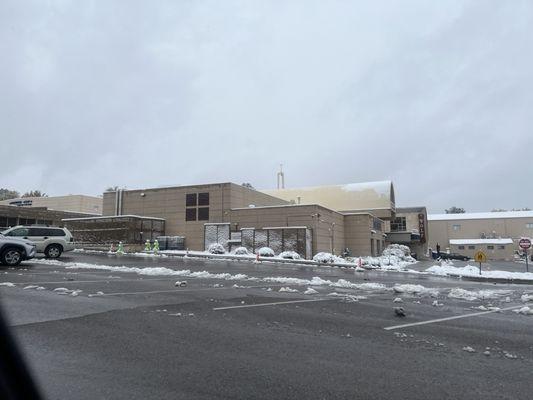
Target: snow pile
pixel 524 311
pixel 472 271
pixel 458 293
pixel 397 300
pixel 415 289
pixel 311 291
pixel 526 297
pixel 216 248
pixel 8 284
pixel 241 251
pixel 292 255
pixel 469 349
pixel 65 291
pixel 403 253
pixel 285 281
pixel 36 287
pixel 265 252
pixel 288 290
pixel 348 298
pixel 327 258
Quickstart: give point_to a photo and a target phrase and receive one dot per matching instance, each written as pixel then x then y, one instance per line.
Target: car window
pixel 19 232
pixel 56 232
pixel 36 232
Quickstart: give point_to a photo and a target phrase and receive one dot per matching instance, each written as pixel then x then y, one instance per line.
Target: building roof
pixel 348 197
pixel 481 241
pixel 482 215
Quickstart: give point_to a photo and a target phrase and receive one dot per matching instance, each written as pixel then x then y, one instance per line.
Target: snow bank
pixel 311 291
pixel 292 255
pixel 289 281
pixel 472 271
pixel 415 289
pixel 400 251
pixel 288 290
pixel 8 284
pixel 458 293
pixel 524 311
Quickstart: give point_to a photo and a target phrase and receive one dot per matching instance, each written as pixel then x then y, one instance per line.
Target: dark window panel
pixel 203 199
pixel 191 200
pixel 203 214
pixel 190 214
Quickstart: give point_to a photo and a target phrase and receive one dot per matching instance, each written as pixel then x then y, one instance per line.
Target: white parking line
pixel 432 321
pixel 270 304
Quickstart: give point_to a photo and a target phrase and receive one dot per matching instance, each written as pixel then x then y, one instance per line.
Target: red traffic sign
pixel 524 243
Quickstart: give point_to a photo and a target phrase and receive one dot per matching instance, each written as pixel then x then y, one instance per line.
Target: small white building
pixel 495 249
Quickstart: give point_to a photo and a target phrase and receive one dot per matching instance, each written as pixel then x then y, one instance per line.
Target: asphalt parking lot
pixel 117 333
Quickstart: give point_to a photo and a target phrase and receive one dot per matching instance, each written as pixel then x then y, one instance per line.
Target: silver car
pixel 50 240
pixel 14 250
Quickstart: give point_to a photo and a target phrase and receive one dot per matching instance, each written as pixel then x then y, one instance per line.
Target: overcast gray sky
pixel 435 95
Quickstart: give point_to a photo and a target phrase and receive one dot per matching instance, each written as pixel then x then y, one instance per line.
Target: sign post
pixel 525 244
pixel 480 257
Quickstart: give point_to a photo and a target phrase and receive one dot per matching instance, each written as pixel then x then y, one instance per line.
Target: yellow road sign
pixel 480 257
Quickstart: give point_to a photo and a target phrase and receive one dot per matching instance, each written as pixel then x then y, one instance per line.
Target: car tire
pixel 53 251
pixel 11 256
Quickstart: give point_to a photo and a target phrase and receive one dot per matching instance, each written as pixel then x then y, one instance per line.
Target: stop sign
pixel 524 243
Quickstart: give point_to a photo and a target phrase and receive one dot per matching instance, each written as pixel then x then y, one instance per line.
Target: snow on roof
pixel 481 241
pixel 481 215
pixel 383 188
pixel 344 198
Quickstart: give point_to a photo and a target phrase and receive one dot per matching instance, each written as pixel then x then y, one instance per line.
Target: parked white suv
pixel 50 240
pixel 14 250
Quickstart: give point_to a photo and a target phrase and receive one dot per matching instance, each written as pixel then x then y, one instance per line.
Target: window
pixel 193 211
pixel 190 214
pixel 501 247
pixel 19 232
pixel 456 227
pixel 490 247
pixel 191 200
pixel 471 247
pixel 461 247
pixel 203 214
pixel 529 225
pixel 203 199
pixel 398 224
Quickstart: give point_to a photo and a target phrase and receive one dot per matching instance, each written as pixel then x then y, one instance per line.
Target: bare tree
pixel 6 194
pixel 34 193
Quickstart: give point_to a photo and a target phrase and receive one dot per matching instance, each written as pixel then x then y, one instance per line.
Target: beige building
pixel 73 203
pixel 448 230
pixel 188 209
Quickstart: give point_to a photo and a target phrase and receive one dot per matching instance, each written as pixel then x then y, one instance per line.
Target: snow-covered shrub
pixel 216 248
pixel 241 251
pixel 292 255
pixel 327 258
pixel 266 252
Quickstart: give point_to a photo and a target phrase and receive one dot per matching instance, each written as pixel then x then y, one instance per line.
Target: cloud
pixel 435 96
